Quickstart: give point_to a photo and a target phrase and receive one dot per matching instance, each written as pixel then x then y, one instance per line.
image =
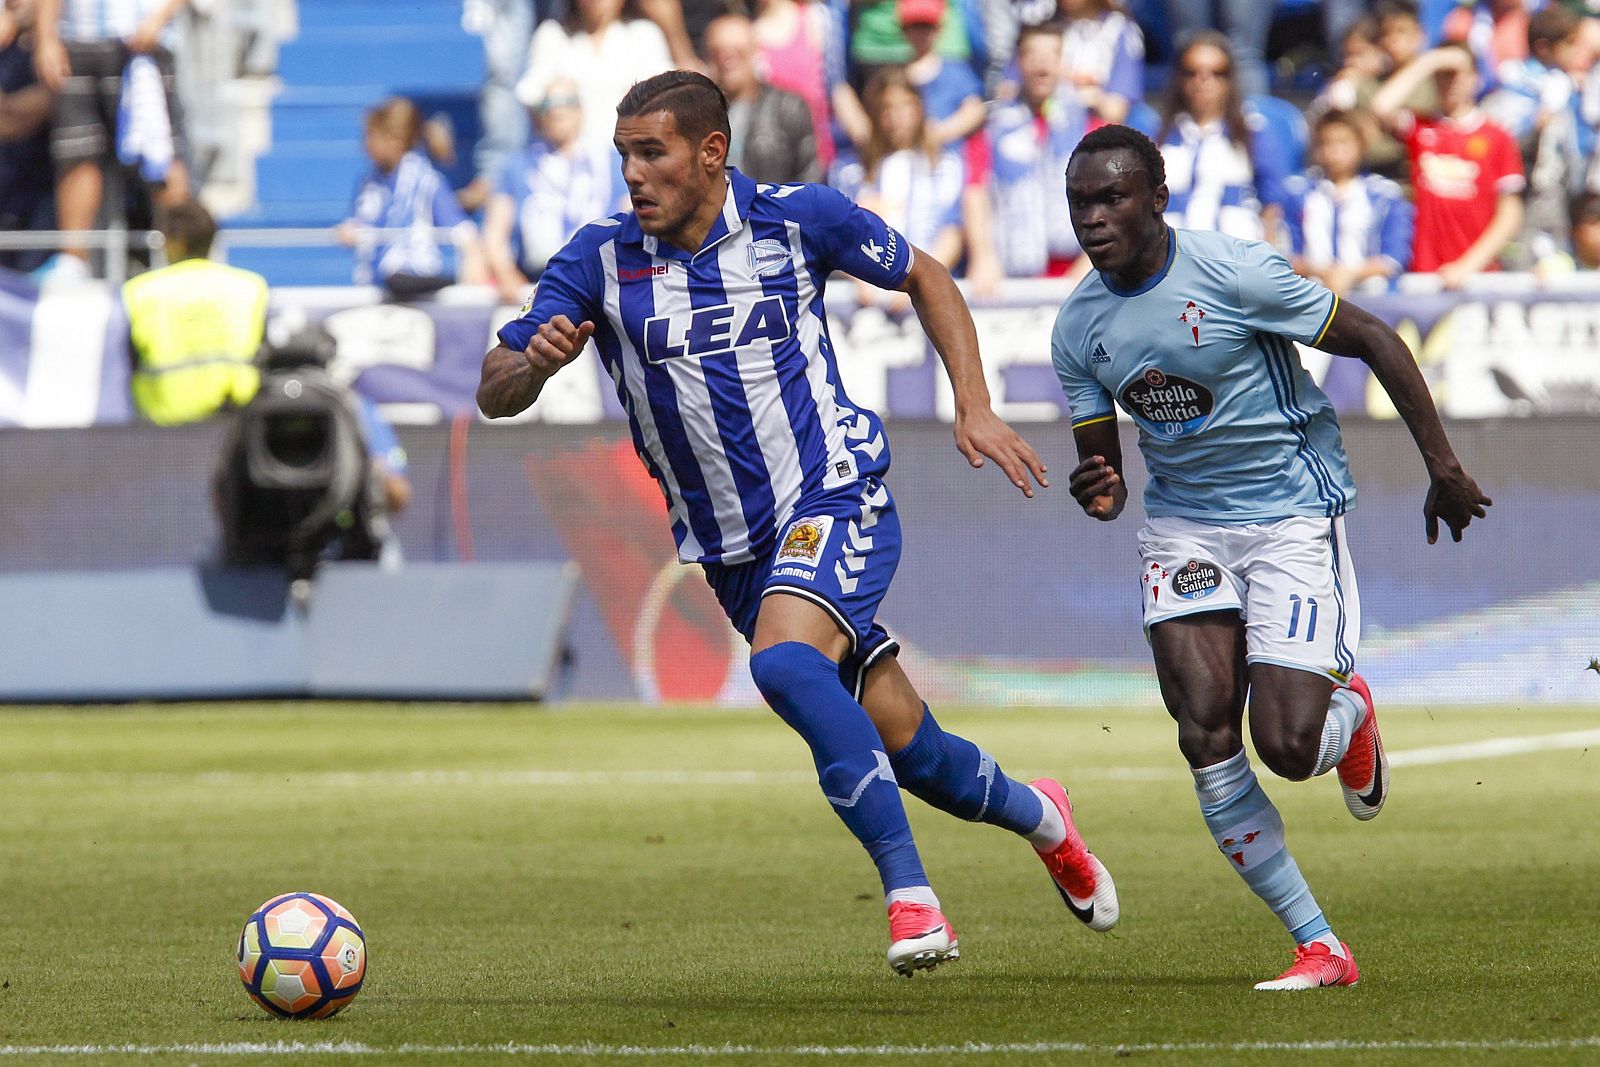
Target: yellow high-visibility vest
pixel 195 327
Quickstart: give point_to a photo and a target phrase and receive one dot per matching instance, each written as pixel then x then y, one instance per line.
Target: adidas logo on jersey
pixel 1100 355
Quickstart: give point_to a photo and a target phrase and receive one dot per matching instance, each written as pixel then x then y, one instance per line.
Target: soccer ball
pixel 302 956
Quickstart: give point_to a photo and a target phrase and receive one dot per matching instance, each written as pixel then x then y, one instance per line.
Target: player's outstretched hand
pixel 985 434
pixel 1098 488
pixel 1455 498
pixel 557 343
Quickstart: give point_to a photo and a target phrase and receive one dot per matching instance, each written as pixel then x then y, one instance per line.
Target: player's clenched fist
pixel 1098 488
pixel 557 343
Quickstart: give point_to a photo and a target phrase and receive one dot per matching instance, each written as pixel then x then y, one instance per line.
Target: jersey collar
pixel 735 211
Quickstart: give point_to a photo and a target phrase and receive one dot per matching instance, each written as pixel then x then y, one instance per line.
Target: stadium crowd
pixel 1448 140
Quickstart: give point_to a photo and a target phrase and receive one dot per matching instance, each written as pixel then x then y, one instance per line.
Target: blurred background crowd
pixel 1364 139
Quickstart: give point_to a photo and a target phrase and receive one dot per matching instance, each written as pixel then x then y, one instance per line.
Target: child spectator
pixel 1218 170
pixel 404 191
pixel 1351 91
pixel 1033 137
pixel 548 191
pixel 1586 232
pixel 1467 171
pixel 1539 102
pixel 951 94
pixel 1346 227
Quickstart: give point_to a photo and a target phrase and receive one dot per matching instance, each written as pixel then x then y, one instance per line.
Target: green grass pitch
pixel 596 884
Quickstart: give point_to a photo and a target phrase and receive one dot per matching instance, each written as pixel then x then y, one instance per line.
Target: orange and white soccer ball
pixel 302 956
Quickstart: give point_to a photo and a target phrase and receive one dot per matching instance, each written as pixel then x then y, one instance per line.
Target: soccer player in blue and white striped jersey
pixel 705 305
pixel 1248 586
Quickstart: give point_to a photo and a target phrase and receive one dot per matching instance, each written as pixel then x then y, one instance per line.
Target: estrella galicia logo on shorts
pixel 1167 405
pixel 803 541
pixel 1196 580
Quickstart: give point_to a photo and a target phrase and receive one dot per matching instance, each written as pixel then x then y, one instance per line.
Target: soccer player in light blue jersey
pixel 705 306
pixel 1247 583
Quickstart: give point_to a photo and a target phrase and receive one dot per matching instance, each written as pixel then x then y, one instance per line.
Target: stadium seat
pixel 348 56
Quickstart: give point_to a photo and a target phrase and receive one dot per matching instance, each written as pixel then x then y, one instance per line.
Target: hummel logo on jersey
pixel 625 275
pixel 709 330
pixel 1100 355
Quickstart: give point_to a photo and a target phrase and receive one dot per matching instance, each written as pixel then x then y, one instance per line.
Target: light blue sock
pixel 1345 710
pixel 956 776
pixel 1249 831
pixel 803 687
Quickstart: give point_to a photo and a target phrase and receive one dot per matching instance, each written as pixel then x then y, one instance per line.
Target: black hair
pixel 695 102
pixel 1124 138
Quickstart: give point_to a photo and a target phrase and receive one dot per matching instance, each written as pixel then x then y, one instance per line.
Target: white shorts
pixel 1291 580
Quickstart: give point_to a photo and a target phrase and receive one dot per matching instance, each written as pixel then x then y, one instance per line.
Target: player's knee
pixel 784 669
pixel 1289 753
pixel 1204 746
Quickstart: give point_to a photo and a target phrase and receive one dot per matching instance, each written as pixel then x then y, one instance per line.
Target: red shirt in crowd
pixel 1460 168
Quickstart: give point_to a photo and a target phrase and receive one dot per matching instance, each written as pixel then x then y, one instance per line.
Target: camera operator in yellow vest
pixel 195 325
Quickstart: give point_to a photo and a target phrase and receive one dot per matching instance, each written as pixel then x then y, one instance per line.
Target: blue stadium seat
pixel 1286 126
pixel 349 55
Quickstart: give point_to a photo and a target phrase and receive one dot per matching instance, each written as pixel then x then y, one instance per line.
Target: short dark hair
pixel 1348 119
pixel 1124 138
pixel 1389 10
pixel 1551 25
pixel 189 224
pixel 1042 29
pixel 695 102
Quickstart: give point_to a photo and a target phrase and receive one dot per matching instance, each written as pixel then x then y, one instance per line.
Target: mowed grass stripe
pixel 971 1048
pixel 1494 748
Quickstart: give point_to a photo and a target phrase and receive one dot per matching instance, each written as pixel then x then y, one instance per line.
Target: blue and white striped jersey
pixel 1232 428
pixel 722 359
pixel 1369 218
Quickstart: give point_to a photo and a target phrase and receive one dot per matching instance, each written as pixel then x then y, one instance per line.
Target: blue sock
pixel 954 775
pixel 803 687
pixel 1249 831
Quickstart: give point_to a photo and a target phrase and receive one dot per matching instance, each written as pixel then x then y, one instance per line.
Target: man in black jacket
pixel 773 138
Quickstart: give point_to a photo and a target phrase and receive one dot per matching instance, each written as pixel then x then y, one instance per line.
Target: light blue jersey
pixel 1232 427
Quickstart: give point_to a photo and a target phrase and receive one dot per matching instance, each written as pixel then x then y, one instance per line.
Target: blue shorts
pixel 839 551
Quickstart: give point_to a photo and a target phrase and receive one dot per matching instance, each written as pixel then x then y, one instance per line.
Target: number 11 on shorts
pixel 1311 616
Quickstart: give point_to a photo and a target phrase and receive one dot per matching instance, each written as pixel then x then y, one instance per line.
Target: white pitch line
pixel 1466 752
pixel 1493 748
pixel 971 1048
